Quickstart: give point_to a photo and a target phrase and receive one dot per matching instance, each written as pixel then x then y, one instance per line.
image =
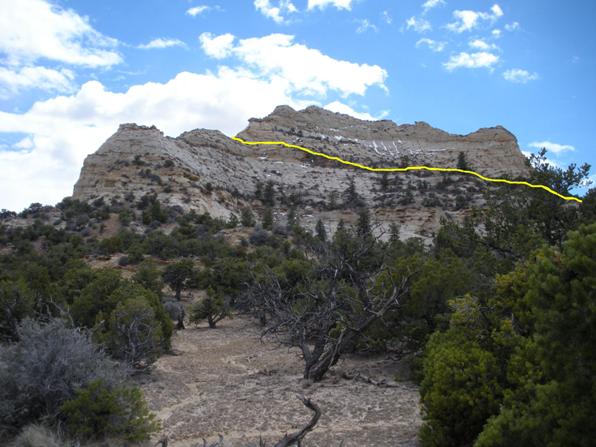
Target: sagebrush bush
pixel 36 435
pixel 45 367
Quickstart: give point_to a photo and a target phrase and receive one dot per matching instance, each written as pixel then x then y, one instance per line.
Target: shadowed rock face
pixel 205 170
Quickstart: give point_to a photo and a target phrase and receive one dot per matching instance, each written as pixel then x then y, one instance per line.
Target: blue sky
pixel 72 70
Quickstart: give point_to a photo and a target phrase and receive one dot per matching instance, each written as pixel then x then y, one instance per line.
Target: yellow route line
pixel 406 169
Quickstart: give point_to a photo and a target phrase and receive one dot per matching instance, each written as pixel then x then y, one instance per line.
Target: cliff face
pixel 206 171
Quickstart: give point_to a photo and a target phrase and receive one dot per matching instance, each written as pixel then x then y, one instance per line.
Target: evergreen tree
pixel 291 218
pixel 320 231
pixel 384 182
pixel 247 218
pixel 267 220
pixel 394 232
pixel 363 227
pixel 178 275
pixel 351 197
pixel 332 200
pixel 269 194
pixel 259 190
pixel 462 162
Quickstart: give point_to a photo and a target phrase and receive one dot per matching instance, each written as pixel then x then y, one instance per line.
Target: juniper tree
pixel 247 217
pixel 178 275
pixel 267 220
pixel 462 161
pixel 320 231
pixel 269 194
pixel 322 313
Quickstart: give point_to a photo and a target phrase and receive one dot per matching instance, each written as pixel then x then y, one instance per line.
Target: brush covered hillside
pixel 195 291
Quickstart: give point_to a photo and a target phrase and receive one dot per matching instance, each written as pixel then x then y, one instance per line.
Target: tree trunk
pixel 211 322
pixel 178 293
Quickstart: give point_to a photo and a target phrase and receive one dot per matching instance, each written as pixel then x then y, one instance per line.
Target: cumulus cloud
pixel 42 78
pixel 430 4
pixel 519 75
pixel 555 148
pixel 467 20
pixel 322 4
pixel 56 134
pixel 481 59
pixel 479 44
pixel 197 10
pixel 306 69
pixel 64 129
pixel 340 107
pixel 161 43
pixel 275 13
pixel 418 25
pixel 433 45
pixel 218 47
pixel 33 29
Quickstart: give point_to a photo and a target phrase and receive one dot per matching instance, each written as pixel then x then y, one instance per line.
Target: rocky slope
pixel 205 170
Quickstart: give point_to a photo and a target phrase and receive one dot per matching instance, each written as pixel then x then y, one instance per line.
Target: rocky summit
pixel 206 171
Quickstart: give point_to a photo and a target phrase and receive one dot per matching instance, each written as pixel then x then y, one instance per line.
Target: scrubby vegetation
pixel 496 317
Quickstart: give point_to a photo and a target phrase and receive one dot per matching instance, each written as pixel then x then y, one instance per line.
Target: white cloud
pixel 481 59
pixel 555 148
pixel 512 26
pixel 58 133
pixel 496 10
pixel 33 29
pixel 365 25
pixel 161 43
pixel 13 81
pixel 275 13
pixel 479 44
pixel 548 161
pixel 218 47
pixel 339 4
pixel 197 10
pixel 418 25
pixel 306 69
pixel 387 17
pixel 64 129
pixel 519 75
pixel 496 33
pixel 433 45
pixel 340 107
pixel 467 20
pixel 430 4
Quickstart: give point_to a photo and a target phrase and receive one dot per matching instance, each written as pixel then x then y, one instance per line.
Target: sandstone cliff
pixel 205 170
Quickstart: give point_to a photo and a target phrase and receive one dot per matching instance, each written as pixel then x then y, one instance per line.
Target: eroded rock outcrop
pixel 205 170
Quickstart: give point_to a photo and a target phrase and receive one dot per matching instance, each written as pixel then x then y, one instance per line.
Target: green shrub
pixel 97 412
pixel 460 390
pixel 16 303
pixel 214 308
pixel 134 333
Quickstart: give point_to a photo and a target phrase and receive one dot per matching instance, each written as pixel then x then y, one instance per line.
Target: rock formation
pixel 204 170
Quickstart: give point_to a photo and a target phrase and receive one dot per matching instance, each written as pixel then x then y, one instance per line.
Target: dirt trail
pixel 226 381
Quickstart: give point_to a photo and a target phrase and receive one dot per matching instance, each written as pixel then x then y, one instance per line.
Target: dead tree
pixel 329 311
pixel 297 437
pixel 292 439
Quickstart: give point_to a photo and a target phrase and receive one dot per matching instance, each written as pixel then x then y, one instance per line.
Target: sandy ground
pixel 226 381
